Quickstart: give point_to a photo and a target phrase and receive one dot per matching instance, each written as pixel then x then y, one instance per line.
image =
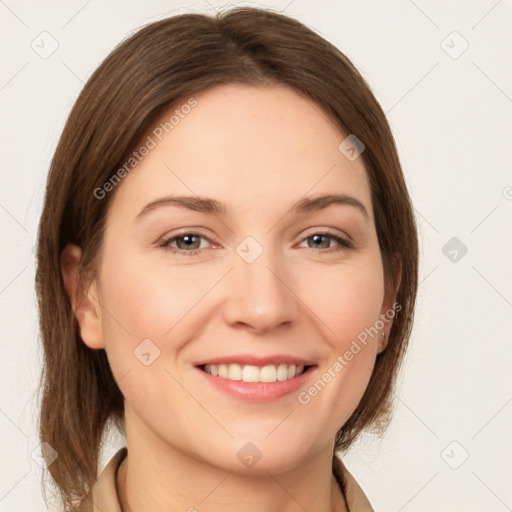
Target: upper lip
pixel 253 360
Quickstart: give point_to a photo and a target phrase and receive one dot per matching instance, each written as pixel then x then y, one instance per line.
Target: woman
pixel 227 270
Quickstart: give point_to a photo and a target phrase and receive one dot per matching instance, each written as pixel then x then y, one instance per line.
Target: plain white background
pixel 441 71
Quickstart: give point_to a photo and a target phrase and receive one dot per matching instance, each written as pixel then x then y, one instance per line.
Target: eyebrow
pixel 214 207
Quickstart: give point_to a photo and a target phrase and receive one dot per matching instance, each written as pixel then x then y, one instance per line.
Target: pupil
pixel 317 238
pixel 188 240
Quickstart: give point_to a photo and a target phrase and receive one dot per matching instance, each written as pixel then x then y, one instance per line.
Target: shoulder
pixel 357 500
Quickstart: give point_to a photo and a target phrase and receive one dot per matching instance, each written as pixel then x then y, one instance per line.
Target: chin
pixel 258 457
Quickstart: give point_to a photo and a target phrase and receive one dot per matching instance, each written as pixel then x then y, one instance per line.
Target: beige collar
pixel 105 497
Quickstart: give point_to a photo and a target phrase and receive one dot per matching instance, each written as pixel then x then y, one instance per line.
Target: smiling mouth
pixel 251 373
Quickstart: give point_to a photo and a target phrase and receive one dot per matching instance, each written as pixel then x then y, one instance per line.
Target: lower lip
pixel 257 391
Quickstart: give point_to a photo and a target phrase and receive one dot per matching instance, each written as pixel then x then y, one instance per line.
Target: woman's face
pixel 254 283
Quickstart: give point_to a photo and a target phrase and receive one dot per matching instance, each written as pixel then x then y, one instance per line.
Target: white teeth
pixel 291 371
pixel 223 370
pixel 234 372
pixel 268 374
pixel 282 372
pixel 249 373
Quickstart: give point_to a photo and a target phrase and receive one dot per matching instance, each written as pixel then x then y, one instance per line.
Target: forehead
pixel 243 144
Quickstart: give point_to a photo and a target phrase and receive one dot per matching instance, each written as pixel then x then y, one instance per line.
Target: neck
pixel 167 479
pixel 336 503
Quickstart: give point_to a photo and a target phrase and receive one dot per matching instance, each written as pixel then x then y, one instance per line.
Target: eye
pixel 187 243
pixel 322 240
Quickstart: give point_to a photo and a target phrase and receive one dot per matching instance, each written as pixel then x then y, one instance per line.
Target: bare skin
pixel 258 150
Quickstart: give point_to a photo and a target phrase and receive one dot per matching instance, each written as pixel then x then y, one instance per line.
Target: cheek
pixel 142 302
pixel 349 313
pixel 143 313
pixel 348 299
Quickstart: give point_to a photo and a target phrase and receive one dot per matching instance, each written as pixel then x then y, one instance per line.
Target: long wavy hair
pixel 138 81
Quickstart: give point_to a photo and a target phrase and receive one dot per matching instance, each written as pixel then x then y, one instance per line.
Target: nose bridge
pixel 259 295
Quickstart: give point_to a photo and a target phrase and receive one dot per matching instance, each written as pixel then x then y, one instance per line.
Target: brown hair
pixel 140 80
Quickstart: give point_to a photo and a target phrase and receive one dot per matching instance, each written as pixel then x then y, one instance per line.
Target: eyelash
pixel 345 244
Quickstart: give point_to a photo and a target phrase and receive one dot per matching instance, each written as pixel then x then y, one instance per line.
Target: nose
pixel 260 295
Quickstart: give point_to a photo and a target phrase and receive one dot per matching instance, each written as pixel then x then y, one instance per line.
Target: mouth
pixel 258 379
pixel 252 373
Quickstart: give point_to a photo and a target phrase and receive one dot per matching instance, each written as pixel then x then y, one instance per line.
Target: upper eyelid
pixel 166 239
pixel 316 231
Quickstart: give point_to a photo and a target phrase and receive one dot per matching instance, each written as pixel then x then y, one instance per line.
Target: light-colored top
pixel 105 498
